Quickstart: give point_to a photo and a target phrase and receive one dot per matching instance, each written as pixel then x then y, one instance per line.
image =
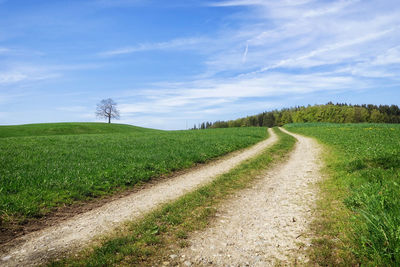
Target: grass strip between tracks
pixel 149 241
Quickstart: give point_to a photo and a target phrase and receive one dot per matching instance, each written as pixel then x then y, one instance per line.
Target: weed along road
pixel 268 223
pixel 75 233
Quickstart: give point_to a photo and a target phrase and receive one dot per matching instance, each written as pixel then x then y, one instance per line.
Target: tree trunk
pixel 109 119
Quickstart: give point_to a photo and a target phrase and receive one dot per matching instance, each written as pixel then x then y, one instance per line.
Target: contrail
pixel 245 52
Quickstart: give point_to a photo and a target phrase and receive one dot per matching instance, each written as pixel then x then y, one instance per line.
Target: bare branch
pixel 107 109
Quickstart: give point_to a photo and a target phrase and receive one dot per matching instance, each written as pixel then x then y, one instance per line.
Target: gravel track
pixel 266 224
pixel 77 232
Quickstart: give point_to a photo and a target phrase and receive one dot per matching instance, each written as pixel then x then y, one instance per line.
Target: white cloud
pixel 303 60
pixel 208 97
pixel 119 3
pixel 334 8
pixel 237 3
pixel 19 73
pixel 390 56
pixel 11 77
pixel 181 43
pixel 267 52
pixel 306 34
pixel 277 50
pixel 4 50
pixel 79 109
pixel 10 96
pixel 22 75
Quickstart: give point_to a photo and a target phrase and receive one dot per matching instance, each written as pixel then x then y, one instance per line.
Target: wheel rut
pixel 266 224
pixel 77 232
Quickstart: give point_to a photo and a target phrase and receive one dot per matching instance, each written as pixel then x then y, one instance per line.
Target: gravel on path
pixel 76 233
pixel 268 223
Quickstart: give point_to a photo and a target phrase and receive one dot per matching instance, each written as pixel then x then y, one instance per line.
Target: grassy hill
pixel 45 129
pixel 43 166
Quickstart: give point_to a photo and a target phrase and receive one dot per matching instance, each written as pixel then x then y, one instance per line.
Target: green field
pixel 46 129
pixel 365 165
pixel 150 240
pixel 47 165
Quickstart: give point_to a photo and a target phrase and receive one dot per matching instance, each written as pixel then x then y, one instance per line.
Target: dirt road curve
pixel 266 224
pixel 70 235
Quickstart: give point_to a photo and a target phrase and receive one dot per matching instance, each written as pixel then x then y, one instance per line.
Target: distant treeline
pixel 336 113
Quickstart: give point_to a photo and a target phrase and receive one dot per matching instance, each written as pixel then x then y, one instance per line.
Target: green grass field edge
pixel 335 227
pixel 149 241
pixel 68 128
pixel 331 228
pixel 66 201
pixel 356 218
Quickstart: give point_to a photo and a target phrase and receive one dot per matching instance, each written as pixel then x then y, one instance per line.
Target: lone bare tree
pixel 107 108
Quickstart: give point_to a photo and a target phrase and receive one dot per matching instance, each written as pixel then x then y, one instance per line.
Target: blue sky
pixel 170 64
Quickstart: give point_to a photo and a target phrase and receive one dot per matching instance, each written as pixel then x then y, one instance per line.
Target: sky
pixel 172 64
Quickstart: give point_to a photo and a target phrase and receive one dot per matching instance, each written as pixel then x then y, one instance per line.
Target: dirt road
pixel 73 234
pixel 266 224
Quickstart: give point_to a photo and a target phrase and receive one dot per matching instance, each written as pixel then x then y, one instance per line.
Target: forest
pixel 335 113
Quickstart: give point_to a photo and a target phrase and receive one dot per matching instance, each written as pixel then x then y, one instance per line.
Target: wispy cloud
pixel 237 3
pixel 388 57
pixel 246 57
pixel 4 50
pixel 79 109
pixel 227 94
pixel 268 3
pixel 306 34
pixel 181 43
pixel 10 96
pixel 331 9
pixel 24 74
pixel 246 50
pixel 304 60
pixel 284 50
pixel 118 3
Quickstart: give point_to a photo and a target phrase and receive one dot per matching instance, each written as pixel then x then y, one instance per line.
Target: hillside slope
pixel 63 163
pixel 68 128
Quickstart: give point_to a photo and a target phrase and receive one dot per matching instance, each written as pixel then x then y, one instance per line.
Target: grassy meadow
pixel 46 129
pixel 150 240
pixel 363 164
pixel 48 165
